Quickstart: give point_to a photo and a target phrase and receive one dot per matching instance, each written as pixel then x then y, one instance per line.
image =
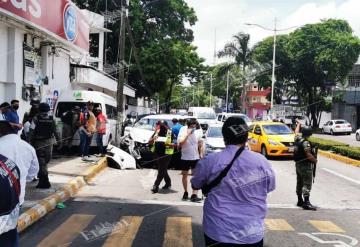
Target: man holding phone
pixel 190 142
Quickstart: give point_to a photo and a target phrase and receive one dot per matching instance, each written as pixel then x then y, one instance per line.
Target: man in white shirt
pixel 22 153
pixel 190 142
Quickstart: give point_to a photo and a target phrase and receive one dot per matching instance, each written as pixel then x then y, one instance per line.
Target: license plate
pixel 291 149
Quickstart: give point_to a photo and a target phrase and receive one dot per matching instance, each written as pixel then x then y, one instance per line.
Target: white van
pixel 204 115
pixel 69 99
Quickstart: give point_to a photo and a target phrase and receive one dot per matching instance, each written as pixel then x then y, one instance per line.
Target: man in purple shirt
pixel 234 210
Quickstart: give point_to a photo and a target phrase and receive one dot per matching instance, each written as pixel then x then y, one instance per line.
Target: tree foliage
pixel 310 58
pixel 162 39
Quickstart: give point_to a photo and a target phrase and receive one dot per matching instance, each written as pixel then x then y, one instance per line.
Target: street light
pixel 275 30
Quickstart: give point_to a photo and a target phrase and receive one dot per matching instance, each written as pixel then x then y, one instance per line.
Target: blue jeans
pixel 85 142
pixel 99 143
pixel 9 239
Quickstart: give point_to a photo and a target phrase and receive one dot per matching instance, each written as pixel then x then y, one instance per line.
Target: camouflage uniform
pixel 304 168
pixel 42 132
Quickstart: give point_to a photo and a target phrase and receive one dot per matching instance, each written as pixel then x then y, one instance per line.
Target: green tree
pixel 311 56
pixel 162 40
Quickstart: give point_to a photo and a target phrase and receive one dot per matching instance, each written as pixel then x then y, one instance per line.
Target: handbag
pixel 208 187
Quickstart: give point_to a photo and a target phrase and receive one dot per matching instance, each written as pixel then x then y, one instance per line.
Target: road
pixel 121 202
pixel 348 139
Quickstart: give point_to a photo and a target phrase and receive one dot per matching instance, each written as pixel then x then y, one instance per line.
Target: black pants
pixel 163 163
pixel 44 151
pixel 212 242
pixel 9 239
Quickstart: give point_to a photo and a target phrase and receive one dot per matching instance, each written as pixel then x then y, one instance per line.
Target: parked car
pixel 271 139
pixel 357 135
pixel 204 115
pixel 69 99
pixel 223 116
pixel 337 126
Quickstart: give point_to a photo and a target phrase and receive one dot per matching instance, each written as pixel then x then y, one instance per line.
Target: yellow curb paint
pixel 341 158
pixel 278 225
pixel 125 232
pixel 178 232
pixel 326 226
pixel 48 204
pixel 67 231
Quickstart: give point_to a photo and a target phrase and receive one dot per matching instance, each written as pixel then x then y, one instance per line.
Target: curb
pixel 46 205
pixel 341 158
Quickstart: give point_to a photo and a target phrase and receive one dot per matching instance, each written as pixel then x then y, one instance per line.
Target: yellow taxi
pixel 271 139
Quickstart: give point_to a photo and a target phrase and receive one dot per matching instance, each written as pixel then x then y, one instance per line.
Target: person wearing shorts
pixel 190 141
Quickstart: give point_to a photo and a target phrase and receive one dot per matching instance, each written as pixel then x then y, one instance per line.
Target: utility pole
pixel 211 85
pixel 227 90
pixel 273 69
pixel 121 80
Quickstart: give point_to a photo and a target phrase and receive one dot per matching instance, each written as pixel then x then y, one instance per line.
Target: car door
pixel 330 127
pixel 254 142
pixel 326 127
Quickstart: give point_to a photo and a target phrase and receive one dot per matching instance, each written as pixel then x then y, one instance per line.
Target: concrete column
pixel 101 51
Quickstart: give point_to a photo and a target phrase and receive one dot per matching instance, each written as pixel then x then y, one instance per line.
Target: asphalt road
pixel 348 139
pixel 121 202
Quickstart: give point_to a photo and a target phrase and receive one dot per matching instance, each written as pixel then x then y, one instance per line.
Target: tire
pixel 358 137
pixel 349 133
pixel 263 151
pixel 331 132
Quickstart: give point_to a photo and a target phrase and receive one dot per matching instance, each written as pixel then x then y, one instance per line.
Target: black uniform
pixel 42 133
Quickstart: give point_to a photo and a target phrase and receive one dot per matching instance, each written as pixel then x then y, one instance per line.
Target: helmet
pixel 306 131
pixel 44 107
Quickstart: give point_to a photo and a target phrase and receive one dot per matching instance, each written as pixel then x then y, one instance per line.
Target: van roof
pixel 83 96
pixel 164 116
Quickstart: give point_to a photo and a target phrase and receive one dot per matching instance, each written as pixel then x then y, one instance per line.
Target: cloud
pixel 228 18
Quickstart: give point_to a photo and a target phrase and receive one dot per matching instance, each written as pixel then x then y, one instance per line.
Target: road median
pixel 341 158
pixel 46 205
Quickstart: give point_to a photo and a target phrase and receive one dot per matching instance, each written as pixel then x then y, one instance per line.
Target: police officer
pixel 305 165
pixel 42 132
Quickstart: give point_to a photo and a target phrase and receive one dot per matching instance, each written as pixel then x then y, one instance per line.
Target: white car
pixel 145 127
pixel 223 116
pixel 204 115
pixel 337 126
pixel 357 135
pixel 214 140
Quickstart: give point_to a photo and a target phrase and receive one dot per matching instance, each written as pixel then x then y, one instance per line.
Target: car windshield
pixel 277 129
pixel 206 115
pixel 341 122
pixel 149 124
pixel 215 132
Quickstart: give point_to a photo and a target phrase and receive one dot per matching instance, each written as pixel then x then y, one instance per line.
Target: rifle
pixel 314 151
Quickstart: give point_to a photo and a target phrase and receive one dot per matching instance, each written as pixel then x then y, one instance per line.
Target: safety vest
pixel 169 149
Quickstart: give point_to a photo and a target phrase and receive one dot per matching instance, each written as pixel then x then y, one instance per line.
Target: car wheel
pixel 263 151
pixel 331 132
pixel 358 137
pixel 349 133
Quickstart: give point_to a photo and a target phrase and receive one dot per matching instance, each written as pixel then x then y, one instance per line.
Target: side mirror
pixel 257 132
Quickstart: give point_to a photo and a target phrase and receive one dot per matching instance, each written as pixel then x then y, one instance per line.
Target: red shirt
pixel 101 124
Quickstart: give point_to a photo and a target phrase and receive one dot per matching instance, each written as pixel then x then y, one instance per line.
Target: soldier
pixel 305 165
pixel 42 132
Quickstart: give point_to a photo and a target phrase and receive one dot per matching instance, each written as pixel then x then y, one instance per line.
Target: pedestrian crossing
pixel 178 231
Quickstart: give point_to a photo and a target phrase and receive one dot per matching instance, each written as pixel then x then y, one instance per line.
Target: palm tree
pixel 239 50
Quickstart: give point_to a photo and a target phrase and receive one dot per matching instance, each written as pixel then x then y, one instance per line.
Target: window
pixel 257 130
pixel 277 129
pixel 215 132
pixel 219 117
pixel 354 80
pixel 331 123
pixel 111 111
pixel 63 107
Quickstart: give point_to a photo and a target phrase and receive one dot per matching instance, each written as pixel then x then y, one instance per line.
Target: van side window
pixel 111 111
pixel 219 117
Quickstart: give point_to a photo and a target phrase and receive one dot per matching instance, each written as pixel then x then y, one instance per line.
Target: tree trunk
pixel 168 97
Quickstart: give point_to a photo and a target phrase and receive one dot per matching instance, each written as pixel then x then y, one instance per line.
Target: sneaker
pixel 195 198
pixel 166 186
pixel 155 189
pixel 185 196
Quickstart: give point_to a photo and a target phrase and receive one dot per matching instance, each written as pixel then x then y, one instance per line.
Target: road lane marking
pixel 342 176
pixel 335 243
pixel 178 232
pixel 67 231
pixel 125 234
pixel 278 225
pixel 325 226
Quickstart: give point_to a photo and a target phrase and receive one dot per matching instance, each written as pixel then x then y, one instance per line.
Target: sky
pixel 228 17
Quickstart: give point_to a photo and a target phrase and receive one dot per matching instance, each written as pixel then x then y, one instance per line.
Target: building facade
pixel 256 103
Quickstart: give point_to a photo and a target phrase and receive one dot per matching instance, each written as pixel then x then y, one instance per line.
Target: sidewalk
pixel 67 175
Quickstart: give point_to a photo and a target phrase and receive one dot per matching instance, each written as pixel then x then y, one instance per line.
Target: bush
pixel 351 152
pixel 326 144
